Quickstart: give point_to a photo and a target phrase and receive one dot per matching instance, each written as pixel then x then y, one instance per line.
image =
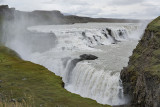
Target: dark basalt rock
pixel 76 60
pixel 115 41
pixel 88 57
pixel 120 33
pixel 84 34
pixel 109 31
pixel 73 63
pixel 4 7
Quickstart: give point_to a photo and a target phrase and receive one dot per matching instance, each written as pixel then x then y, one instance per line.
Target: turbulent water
pixel 58 46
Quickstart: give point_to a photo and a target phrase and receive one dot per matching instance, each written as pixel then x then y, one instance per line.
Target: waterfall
pixel 58 47
pixel 102 86
pixel 68 71
pixel 89 37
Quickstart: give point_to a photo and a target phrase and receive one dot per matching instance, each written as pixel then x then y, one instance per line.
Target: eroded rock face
pixel 141 79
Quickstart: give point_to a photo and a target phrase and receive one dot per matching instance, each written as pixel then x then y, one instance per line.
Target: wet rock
pixel 88 57
pixel 84 34
pixel 120 33
pixel 72 64
pixel 109 31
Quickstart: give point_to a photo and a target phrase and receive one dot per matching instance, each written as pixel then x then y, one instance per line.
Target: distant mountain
pixel 38 17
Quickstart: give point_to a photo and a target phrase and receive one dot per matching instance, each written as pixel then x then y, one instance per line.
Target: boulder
pixel 88 57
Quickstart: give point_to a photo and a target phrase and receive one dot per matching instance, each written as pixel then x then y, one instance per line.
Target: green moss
pixel 154 25
pixel 157 52
pixel 154 70
pixel 135 56
pixel 130 68
pixel 23 80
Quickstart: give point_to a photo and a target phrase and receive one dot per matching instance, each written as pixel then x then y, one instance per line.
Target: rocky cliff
pixel 141 79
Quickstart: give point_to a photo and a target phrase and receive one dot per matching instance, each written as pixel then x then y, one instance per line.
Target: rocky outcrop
pixel 88 57
pixel 76 60
pixel 141 79
pixel 69 64
pixel 82 58
pixel 6 12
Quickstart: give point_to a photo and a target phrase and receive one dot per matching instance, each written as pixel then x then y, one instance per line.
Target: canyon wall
pixel 141 79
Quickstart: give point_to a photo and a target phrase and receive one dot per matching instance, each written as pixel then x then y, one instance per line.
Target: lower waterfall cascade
pixel 95 84
pixel 57 47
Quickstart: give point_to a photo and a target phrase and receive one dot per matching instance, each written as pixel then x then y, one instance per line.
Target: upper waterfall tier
pixel 86 36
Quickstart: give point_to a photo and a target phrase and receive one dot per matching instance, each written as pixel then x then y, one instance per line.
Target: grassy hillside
pixel 33 85
pixel 154 25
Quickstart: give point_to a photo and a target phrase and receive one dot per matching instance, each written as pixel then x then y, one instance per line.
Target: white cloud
pixel 93 8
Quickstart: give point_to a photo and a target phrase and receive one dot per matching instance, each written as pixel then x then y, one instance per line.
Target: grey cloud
pixel 85 11
pixel 125 2
pixel 151 5
pixel 1 1
pixel 89 12
pixel 70 2
pixel 152 11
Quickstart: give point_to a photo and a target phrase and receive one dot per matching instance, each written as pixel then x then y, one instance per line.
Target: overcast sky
pixel 143 9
